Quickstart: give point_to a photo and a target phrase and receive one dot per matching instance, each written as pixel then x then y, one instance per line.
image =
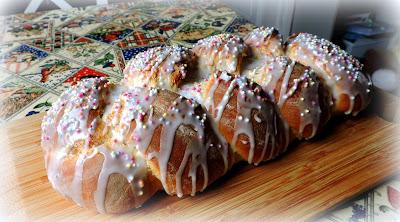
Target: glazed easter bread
pixel 181 118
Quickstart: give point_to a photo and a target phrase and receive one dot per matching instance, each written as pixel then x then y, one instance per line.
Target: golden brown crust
pixel 303 100
pixel 291 108
pixel 343 104
pixel 265 42
pixel 221 53
pixel 111 169
pixel 227 125
pixel 121 194
pixel 164 67
pixel 341 72
pixel 183 137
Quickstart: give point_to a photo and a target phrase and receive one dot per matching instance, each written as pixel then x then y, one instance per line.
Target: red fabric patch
pixel 85 72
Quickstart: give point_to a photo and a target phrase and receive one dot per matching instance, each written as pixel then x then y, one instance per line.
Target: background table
pixel 43 53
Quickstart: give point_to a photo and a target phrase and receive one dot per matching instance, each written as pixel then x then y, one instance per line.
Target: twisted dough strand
pixel 341 72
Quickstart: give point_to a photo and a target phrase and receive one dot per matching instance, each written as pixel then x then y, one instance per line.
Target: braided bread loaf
pixel 181 118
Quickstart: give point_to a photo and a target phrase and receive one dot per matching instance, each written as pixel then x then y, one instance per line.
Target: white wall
pixel 315 16
pixel 289 16
pixel 265 12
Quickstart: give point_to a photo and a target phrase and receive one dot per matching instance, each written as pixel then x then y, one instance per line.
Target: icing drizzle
pixel 340 71
pixel 220 52
pixel 263 42
pixel 154 67
pixel 182 112
pixel 66 123
pixel 127 153
pixel 248 99
pixel 282 67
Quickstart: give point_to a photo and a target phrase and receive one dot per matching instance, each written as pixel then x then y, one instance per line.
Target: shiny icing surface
pixel 340 71
pixel 264 42
pixel 248 100
pixel 67 123
pixel 220 53
pixel 182 112
pixel 156 66
pixel 130 122
pixel 281 68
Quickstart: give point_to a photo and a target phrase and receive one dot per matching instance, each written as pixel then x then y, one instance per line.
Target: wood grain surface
pixel 313 176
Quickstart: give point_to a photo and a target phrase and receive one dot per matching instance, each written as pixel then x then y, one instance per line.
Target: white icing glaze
pixel 76 185
pixel 310 110
pixel 340 71
pixel 141 70
pixel 134 170
pixel 182 113
pixel 247 100
pixel 67 123
pixel 193 91
pixel 268 75
pixel 263 43
pixel 284 93
pixel 219 52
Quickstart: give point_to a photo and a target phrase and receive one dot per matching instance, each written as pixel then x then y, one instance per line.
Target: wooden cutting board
pixel 347 159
